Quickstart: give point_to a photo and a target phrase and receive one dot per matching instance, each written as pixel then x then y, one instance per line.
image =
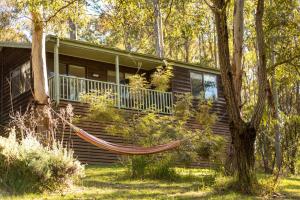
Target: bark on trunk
pixel 243 141
pixel 73 29
pixel 238 33
pixel 187 49
pixel 158 31
pixel 275 108
pixel 243 134
pixel 38 58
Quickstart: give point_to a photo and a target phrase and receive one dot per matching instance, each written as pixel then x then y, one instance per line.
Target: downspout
pixel 56 72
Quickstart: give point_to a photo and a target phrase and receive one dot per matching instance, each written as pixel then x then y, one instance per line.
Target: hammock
pixel 120 149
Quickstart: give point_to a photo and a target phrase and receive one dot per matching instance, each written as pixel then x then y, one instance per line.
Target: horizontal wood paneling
pixel 11 59
pixel 100 68
pixel 86 152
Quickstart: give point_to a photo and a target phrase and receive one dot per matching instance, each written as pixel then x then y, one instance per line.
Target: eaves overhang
pixel 102 53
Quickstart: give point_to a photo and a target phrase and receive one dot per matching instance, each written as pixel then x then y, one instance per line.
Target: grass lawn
pixel 110 183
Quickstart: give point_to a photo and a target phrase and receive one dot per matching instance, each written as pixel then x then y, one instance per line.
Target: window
pixel 77 71
pixel 124 77
pixel 204 85
pixel 20 79
pixel 210 86
pixel 197 84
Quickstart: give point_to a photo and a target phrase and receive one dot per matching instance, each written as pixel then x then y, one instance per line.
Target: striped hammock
pixel 121 149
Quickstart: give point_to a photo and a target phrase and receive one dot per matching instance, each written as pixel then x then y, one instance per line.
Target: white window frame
pixel 203 85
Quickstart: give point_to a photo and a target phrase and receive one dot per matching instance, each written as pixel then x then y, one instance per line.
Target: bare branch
pixel 213 8
pixel 288 60
pixel 59 10
pixel 170 10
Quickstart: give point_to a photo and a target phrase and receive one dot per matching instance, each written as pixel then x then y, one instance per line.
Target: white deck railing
pixel 71 87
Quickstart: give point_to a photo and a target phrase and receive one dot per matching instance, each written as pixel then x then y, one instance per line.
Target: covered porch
pixel 69 86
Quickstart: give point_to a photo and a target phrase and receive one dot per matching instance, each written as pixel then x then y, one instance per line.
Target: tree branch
pixel 170 9
pixel 288 60
pixel 216 9
pixel 59 10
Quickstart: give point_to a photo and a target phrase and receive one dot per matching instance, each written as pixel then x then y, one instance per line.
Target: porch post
pixel 56 72
pixel 118 81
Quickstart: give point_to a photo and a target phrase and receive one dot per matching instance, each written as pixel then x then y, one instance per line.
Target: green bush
pixel 163 169
pixel 28 166
pixel 137 165
pixel 151 166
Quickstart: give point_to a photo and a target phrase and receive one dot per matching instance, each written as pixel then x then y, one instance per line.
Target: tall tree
pixel 43 14
pixel 243 133
pixel 238 34
pixel 158 29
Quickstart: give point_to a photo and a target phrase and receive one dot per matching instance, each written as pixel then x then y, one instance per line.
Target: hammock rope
pixel 117 148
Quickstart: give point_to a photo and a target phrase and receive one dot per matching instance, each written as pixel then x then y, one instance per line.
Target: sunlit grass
pixel 112 183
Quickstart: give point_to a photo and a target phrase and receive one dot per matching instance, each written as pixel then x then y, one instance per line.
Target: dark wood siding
pixel 181 84
pixel 93 155
pixel 12 58
pixel 86 152
pixel 100 68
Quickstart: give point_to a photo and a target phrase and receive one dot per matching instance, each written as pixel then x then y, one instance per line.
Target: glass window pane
pixel 196 84
pixel 63 69
pixel 15 82
pixel 111 76
pixel 210 85
pixel 20 79
pixel 77 71
pixel 25 77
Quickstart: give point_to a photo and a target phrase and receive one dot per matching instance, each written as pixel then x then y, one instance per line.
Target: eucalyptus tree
pixel 243 133
pixel 282 35
pixel 42 15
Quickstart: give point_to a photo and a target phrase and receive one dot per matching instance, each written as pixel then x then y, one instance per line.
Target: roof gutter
pixel 16 45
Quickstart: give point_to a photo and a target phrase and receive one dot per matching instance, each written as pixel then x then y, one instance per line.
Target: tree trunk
pixel 187 49
pixel 238 33
pixel 38 58
pixel 73 29
pixel 158 31
pixel 276 117
pixel 243 141
pixel 215 48
pixel 203 46
pixel 243 134
pixel 40 81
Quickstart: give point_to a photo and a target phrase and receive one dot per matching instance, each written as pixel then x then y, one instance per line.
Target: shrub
pixel 161 78
pixel 151 166
pixel 28 166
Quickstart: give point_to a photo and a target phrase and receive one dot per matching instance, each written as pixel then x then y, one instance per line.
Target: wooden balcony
pixel 124 97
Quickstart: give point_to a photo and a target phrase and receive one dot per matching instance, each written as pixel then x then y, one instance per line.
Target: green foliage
pixel 102 106
pixel 137 82
pixel 160 79
pixel 291 143
pixel 151 166
pixel 28 166
pixel 211 147
pixel 146 128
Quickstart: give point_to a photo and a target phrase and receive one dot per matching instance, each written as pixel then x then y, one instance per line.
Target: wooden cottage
pixel 76 66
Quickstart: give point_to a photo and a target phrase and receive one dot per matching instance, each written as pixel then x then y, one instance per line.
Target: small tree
pixel 150 128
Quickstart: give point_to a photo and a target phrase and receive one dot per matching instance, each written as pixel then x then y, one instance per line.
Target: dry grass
pixel 111 183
